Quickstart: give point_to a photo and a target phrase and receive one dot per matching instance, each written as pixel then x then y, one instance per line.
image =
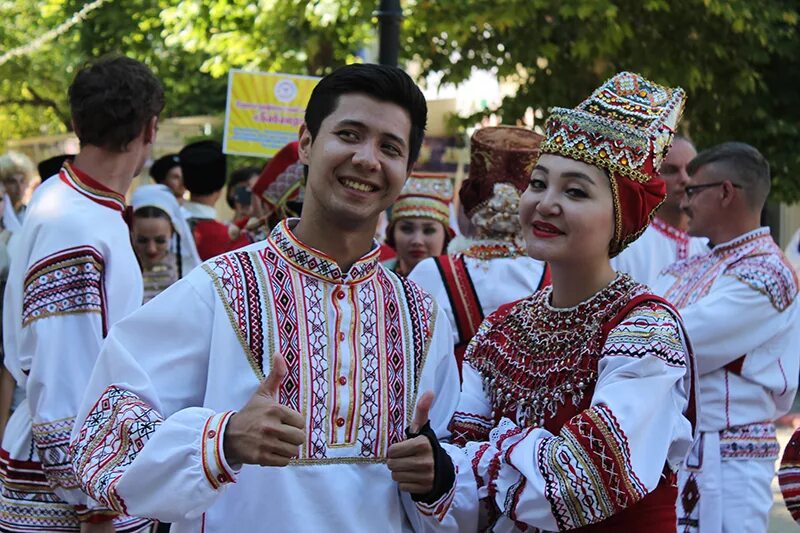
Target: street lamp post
pixel 389 15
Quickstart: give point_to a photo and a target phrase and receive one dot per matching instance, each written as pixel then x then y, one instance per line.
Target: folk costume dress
pixel 491 268
pixel 574 417
pixel 660 246
pixel 74 275
pixel 739 304
pixel 578 418
pixel 359 345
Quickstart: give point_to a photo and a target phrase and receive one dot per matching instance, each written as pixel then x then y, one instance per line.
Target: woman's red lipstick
pixel 544 230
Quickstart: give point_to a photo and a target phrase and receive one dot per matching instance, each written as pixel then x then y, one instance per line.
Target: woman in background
pixel 419 225
pixel 161 239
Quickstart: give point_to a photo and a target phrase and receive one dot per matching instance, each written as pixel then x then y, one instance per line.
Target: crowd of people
pixel 599 337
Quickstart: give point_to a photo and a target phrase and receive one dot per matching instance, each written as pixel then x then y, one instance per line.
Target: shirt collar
pixel 196 210
pixel 91 188
pixel 669 230
pixel 741 240
pixel 316 263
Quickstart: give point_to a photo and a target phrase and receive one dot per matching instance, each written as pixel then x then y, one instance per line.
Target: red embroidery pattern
pixel 237 278
pixel 681 238
pixel 67 282
pixel 391 329
pixel 536 360
pixel 587 470
pixel 116 429
pixel 753 258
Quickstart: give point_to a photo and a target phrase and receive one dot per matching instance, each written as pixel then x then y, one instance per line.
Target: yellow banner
pixel 264 111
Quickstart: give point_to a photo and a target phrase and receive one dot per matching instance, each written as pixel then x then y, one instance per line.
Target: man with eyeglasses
pixel 665 240
pixel 739 304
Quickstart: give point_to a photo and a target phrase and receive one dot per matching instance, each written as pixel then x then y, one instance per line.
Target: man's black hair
pixel 382 82
pixel 112 100
pixel 204 167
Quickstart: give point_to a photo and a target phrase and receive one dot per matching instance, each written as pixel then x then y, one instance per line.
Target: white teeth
pixel 363 187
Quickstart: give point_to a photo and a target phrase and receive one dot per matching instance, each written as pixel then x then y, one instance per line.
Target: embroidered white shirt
pixel 739 304
pixel 360 347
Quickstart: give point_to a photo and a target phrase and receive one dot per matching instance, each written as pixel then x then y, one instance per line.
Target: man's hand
pixel 100 527
pixel 264 432
pixel 411 461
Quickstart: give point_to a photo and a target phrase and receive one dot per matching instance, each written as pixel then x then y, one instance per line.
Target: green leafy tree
pixel 739 61
pixel 33 86
pixel 296 36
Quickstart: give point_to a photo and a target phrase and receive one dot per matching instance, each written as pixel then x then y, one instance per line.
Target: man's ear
pixel 150 130
pixel 304 144
pixel 728 193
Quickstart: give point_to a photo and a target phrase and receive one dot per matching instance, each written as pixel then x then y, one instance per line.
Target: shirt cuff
pixel 217 470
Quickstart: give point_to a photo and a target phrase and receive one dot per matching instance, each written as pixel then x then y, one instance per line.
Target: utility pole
pixel 389 15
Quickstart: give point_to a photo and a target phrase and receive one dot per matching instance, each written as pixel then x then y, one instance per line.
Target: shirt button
pixel 340 294
pixel 341 336
pixel 342 380
pixel 340 421
pixel 212 434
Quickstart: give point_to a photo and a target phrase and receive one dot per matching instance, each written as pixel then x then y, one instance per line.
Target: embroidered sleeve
pixel 63 323
pixel 587 470
pixel 770 275
pixel 143 443
pixel 584 473
pixel 115 432
pixel 117 427
pixel 68 282
pixel 648 330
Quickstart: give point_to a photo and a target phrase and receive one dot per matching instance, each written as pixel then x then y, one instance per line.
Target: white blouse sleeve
pixel 607 457
pixel 62 323
pixel 139 446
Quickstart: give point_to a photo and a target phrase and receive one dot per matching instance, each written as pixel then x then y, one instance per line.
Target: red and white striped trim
pixel 215 467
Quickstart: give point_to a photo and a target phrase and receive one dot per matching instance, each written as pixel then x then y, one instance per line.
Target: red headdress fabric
pixel 281 180
pixel 503 154
pixel 625 127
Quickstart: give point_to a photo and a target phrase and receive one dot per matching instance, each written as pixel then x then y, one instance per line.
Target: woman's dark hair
pixel 382 82
pixel 112 100
pixel 151 211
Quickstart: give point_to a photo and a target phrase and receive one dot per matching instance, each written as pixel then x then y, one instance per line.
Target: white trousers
pixel 734 495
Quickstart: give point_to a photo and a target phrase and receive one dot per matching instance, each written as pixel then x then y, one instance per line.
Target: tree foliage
pixel 738 60
pixel 33 87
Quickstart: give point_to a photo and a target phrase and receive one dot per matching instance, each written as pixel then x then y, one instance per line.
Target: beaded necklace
pixel 535 358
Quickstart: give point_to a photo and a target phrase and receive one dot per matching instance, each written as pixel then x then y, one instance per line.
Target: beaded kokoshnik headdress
pixel 425 195
pixel 625 128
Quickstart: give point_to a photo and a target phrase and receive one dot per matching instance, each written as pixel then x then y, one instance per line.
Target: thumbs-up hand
pixel 264 432
pixel 412 461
